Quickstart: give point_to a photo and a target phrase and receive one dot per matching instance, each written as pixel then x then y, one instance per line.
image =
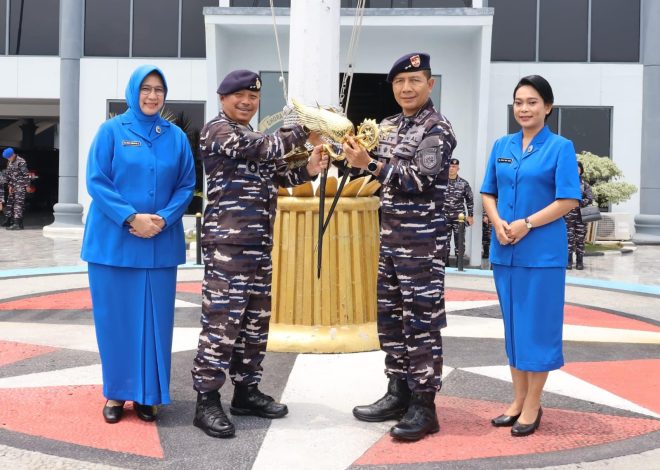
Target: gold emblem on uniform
pixel 415 60
pixel 257 84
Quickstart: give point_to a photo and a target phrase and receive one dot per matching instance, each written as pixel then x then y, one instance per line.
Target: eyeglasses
pixel 146 90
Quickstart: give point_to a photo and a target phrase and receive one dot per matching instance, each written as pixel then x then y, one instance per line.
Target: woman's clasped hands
pixel 147 225
pixel 510 233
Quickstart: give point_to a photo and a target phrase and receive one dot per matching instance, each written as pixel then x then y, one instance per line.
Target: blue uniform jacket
pixel 526 182
pixel 133 170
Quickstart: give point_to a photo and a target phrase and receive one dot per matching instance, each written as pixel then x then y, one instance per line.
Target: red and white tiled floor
pixel 604 403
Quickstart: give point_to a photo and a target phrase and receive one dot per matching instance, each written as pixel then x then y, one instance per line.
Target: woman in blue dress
pixel 140 175
pixel 531 182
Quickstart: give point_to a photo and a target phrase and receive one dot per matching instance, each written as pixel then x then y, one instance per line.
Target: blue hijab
pixel 144 122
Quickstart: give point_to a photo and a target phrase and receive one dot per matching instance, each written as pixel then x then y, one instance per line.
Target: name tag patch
pixel 504 160
pixel 131 143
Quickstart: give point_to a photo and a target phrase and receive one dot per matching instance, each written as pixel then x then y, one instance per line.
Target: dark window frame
pixel 589 60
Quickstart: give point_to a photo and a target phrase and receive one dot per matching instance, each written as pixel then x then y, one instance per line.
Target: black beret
pixel 411 62
pixel 239 80
pixel 454 161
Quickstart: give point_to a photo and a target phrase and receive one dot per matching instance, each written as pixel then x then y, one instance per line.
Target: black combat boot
pixel 420 419
pixel 392 405
pixel 7 222
pixel 486 253
pixel 249 400
pixel 16 225
pixel 570 261
pixel 579 264
pixel 210 417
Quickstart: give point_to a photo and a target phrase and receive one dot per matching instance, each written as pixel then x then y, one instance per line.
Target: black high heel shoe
pixel 112 414
pixel 145 412
pixel 520 430
pixel 504 420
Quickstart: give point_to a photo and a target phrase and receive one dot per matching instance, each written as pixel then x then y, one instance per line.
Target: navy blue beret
pixel 454 161
pixel 411 62
pixel 239 80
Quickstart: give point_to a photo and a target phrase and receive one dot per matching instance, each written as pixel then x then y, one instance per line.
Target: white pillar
pixel 314 52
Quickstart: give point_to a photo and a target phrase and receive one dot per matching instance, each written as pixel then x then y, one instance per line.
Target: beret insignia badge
pixel 415 61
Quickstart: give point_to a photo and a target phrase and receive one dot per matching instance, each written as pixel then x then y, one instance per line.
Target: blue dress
pixel 530 275
pixel 137 164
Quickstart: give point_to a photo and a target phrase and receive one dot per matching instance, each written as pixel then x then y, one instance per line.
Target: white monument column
pixel 314 52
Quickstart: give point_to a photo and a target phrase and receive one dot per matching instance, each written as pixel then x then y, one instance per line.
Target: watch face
pixel 372 166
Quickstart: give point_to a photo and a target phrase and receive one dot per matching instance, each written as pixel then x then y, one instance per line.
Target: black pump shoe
pixel 520 430
pixel 145 412
pixel 112 414
pixel 504 420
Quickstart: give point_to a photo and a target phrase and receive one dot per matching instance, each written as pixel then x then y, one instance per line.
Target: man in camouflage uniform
pixel 459 195
pixel 412 165
pixel 16 179
pixel 576 229
pixel 244 168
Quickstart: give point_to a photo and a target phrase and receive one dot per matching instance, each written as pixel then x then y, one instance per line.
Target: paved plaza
pixel 601 410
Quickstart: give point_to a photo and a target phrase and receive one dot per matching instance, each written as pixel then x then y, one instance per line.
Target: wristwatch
pixel 130 219
pixel 372 166
pixel 528 223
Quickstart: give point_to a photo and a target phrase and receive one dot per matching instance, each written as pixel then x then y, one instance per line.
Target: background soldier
pixel 459 194
pixel 576 229
pixel 486 227
pixel 17 179
pixel 244 169
pixel 413 157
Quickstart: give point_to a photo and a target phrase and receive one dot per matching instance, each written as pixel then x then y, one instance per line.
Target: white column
pixel 314 52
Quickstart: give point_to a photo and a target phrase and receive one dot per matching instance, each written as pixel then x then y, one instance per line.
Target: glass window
pixel 615 31
pixel 107 28
pixel 34 27
pixel 514 30
pixel 589 128
pixel 3 30
pixel 563 30
pixel 440 3
pixel 260 3
pixel 192 27
pixel 155 28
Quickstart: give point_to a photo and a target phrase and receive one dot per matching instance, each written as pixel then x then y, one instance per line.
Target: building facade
pixel 597 54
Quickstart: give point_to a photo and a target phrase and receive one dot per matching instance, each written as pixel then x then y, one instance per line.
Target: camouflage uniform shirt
pixel 458 195
pixel 16 175
pixel 415 153
pixel 244 169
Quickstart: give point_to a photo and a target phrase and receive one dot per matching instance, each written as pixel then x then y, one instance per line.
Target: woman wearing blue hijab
pixel 141 176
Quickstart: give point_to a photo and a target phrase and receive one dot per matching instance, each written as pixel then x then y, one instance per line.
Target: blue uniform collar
pixel 536 143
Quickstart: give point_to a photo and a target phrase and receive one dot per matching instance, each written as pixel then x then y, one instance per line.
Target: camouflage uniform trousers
pixel 577 232
pixel 15 203
pixel 236 302
pixel 411 311
pixel 486 230
pixel 452 232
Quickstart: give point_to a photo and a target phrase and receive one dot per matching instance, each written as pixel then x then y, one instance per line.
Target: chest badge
pixel 131 143
pixel 252 166
pixel 157 129
pixel 504 160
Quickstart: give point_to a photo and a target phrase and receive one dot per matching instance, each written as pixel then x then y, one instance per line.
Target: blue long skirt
pixel 532 303
pixel 134 318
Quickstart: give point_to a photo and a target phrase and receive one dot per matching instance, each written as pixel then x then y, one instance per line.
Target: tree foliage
pixel 605 179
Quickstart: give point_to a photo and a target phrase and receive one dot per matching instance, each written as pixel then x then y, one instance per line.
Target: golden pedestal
pixel 336 313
